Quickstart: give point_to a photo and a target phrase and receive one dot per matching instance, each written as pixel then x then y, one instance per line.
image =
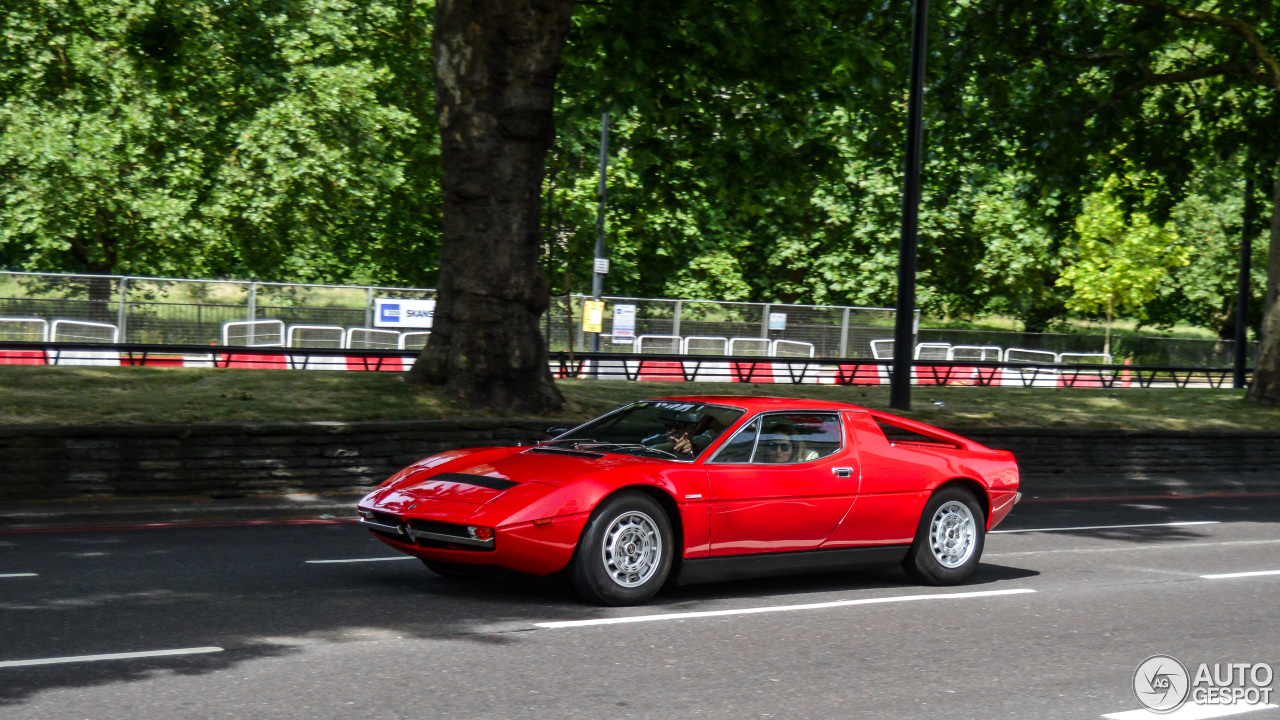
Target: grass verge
pixel 88 395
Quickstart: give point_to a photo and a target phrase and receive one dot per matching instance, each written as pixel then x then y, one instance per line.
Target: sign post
pixel 601 262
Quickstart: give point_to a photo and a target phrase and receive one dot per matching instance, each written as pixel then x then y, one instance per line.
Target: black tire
pixel 633 523
pixel 447 569
pixel 922 563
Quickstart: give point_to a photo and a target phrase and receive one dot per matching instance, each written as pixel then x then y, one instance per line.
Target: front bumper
pixel 427 532
pixel 538 549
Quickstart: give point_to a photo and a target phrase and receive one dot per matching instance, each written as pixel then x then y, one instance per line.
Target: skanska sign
pixel 400 313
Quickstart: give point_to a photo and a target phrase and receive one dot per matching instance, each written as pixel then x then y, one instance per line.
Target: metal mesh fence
pixel 23 330
pixel 414 340
pixel 981 353
pixel 253 333
pixel 315 336
pixel 1013 355
pixel 1085 358
pixel 173 311
pixel 749 347
pixel 371 339
pixel 748 328
pixel 659 344
pixel 696 345
pixel 193 312
pixel 793 348
pixel 932 351
pixel 80 331
pixel 1181 352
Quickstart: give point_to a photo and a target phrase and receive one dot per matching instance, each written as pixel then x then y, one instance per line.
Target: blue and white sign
pixel 624 324
pixel 400 313
pixel 777 321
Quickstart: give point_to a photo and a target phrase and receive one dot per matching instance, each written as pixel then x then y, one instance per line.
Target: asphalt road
pixel 389 639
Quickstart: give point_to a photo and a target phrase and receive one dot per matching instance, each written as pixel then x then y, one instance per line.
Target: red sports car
pixel 704 488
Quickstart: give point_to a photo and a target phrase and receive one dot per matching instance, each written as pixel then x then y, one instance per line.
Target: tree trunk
pixel 495 71
pixel 1266 370
pixel 99 299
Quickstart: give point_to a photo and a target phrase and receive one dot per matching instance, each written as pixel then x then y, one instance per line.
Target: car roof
pixel 757 403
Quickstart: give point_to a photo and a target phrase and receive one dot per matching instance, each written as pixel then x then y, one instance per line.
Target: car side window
pixel 739 447
pixel 789 439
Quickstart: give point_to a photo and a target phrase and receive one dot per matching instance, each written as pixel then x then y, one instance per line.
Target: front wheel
pixel 949 539
pixel 626 551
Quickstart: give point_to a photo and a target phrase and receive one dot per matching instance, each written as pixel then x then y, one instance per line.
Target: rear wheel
pixel 949 539
pixel 625 553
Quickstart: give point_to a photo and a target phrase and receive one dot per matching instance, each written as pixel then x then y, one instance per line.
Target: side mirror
pixel 556 431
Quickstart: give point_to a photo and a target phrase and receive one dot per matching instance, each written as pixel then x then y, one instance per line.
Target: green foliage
pixel 200 137
pixel 755 149
pixel 1121 258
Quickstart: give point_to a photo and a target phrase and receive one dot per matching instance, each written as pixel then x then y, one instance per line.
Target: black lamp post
pixel 904 328
pixel 1242 300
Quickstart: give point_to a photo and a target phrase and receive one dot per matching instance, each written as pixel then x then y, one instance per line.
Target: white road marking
pixel 351 560
pixel 777 608
pixel 1106 527
pixel 111 656
pixel 1135 548
pixel 1191 711
pixel 18 575
pixel 1228 576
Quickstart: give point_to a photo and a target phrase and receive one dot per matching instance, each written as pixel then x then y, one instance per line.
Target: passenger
pixel 778 446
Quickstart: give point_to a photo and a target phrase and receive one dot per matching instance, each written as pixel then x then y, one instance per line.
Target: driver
pixel 682 434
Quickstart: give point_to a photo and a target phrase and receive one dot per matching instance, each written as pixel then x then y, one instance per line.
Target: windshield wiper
pixel 626 446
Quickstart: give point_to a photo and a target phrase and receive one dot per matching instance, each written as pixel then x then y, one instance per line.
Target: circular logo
pixel 1161 683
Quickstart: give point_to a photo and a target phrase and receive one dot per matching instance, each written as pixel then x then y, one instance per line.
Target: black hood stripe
pixel 484 481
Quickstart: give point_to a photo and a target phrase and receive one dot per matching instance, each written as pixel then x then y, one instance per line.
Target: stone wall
pixel 1102 463
pixel 234 460
pixel 231 459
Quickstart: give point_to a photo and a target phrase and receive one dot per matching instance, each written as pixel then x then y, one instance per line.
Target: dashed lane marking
pixel 356 560
pixel 1229 576
pixel 110 656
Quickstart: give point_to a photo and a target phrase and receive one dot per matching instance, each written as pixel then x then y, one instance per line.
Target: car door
pixel 764 500
pixel 895 478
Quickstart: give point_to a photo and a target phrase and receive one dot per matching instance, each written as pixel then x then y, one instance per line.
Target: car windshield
pixel 653 428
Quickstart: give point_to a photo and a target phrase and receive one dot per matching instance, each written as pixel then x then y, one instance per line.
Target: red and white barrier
pixel 737 371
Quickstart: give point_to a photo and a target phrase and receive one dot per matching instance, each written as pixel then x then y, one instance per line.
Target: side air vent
pixel 902 436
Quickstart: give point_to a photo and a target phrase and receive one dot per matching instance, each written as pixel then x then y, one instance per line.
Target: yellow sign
pixel 593 316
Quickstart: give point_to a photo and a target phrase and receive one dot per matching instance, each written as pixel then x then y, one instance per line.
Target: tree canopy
pixel 755 150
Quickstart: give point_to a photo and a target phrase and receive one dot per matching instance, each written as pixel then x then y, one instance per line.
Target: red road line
pixel 1125 498
pixel 172 525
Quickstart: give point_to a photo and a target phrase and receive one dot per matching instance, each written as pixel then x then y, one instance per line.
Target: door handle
pixel 842 472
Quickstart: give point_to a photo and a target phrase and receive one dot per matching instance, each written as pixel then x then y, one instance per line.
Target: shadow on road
pixel 250 590
pixel 16 684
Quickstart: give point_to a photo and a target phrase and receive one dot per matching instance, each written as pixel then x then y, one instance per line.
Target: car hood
pixel 480 477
